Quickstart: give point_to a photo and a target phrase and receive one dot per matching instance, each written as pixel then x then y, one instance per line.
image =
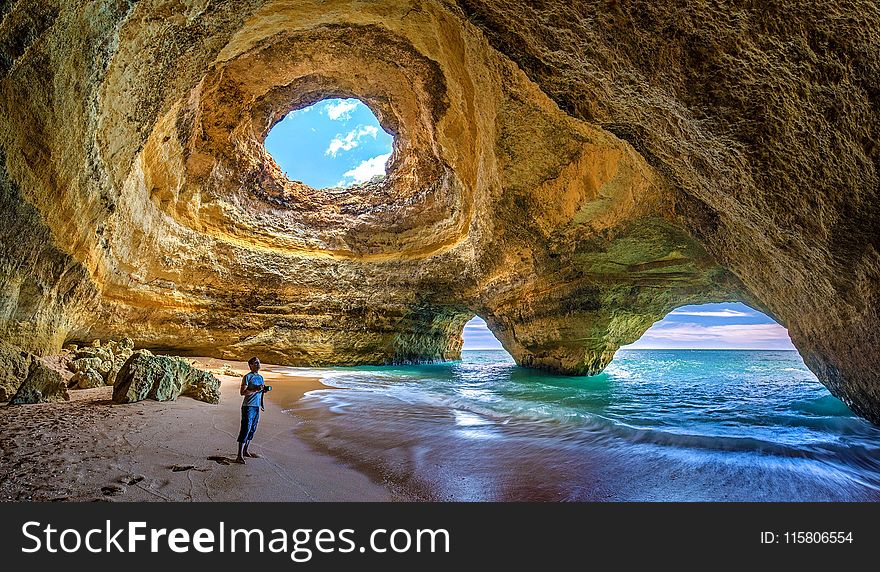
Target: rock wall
pixel 569 171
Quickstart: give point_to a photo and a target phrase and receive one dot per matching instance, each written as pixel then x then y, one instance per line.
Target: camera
pixel 256 387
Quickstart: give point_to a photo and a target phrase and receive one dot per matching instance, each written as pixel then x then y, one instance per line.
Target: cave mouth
pixel 714 326
pixel 333 143
pixel 477 336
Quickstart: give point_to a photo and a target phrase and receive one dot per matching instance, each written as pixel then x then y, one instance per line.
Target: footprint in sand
pixel 131 479
pixel 112 490
pixel 179 468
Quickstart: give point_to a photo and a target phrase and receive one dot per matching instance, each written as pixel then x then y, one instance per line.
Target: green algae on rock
pixel 163 378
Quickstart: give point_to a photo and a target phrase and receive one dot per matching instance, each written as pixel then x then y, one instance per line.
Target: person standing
pixel 252 388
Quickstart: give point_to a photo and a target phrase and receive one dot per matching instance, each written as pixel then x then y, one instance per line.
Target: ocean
pixel 657 425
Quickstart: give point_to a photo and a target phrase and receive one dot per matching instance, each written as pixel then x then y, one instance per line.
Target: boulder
pixel 102 362
pixel 42 384
pixel 203 386
pixel 125 345
pixel 122 350
pixel 163 378
pixel 99 353
pixel 14 366
pixel 96 364
pixel 86 379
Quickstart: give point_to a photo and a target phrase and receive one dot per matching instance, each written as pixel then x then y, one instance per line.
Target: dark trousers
pixel 250 415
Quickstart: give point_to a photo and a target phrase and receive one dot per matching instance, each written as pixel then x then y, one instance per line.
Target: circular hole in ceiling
pixel 331 144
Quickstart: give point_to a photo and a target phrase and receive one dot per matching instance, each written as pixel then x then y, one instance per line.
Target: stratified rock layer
pixel 570 171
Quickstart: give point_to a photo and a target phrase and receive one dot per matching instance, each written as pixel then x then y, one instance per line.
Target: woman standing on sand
pixel 252 388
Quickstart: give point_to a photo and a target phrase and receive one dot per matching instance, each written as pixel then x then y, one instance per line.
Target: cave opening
pixel 334 143
pixel 714 326
pixel 479 338
pixel 725 353
pixel 726 365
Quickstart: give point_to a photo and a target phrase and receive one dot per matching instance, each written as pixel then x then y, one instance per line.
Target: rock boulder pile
pixel 97 365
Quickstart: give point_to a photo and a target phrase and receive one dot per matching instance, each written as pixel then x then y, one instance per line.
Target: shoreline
pixel 90 449
pixel 424 441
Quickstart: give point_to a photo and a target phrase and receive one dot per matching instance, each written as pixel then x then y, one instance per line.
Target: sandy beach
pixel 92 449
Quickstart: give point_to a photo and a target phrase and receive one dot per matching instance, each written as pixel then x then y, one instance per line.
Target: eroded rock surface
pixel 14 367
pixel 42 384
pixel 569 171
pixel 163 378
pixel 97 365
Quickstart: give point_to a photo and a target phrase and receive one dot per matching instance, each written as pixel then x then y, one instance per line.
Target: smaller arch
pixel 478 337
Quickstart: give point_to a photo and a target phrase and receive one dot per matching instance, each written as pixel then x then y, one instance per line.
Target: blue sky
pixel 339 142
pixel 704 326
pixel 334 143
pixel 477 336
pixel 715 326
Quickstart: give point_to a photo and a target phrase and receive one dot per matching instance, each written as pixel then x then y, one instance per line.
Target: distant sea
pixel 657 425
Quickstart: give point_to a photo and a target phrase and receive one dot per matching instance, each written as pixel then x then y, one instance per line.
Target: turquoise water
pixel 656 425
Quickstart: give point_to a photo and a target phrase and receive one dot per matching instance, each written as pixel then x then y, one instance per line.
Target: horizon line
pixel 663 349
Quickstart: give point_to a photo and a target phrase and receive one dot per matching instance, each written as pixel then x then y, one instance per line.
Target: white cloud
pixel 477 336
pixel 351 139
pixel 367 169
pixel 340 110
pixel 726 313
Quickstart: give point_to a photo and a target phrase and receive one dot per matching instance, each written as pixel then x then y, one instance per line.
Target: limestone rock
pixel 41 385
pixel 97 365
pixel 570 171
pixel 163 378
pixel 86 379
pixel 14 366
pixel 203 386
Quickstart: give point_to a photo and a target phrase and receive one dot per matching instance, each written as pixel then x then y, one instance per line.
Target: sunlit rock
pixel 569 171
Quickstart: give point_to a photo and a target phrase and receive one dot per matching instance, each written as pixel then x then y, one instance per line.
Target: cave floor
pixel 92 449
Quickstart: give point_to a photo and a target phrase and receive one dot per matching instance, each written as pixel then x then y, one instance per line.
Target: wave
pixel 656 417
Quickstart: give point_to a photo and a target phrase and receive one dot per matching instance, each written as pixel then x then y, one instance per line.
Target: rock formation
pixel 97 365
pixel 570 171
pixel 14 367
pixel 163 378
pixel 42 384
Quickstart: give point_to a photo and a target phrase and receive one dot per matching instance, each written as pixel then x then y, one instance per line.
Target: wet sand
pixel 92 449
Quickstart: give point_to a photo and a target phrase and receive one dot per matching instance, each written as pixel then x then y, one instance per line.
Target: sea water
pixel 657 425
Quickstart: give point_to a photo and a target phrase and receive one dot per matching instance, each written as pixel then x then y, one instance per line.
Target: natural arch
pixel 571 184
pixel 478 337
pixel 714 326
